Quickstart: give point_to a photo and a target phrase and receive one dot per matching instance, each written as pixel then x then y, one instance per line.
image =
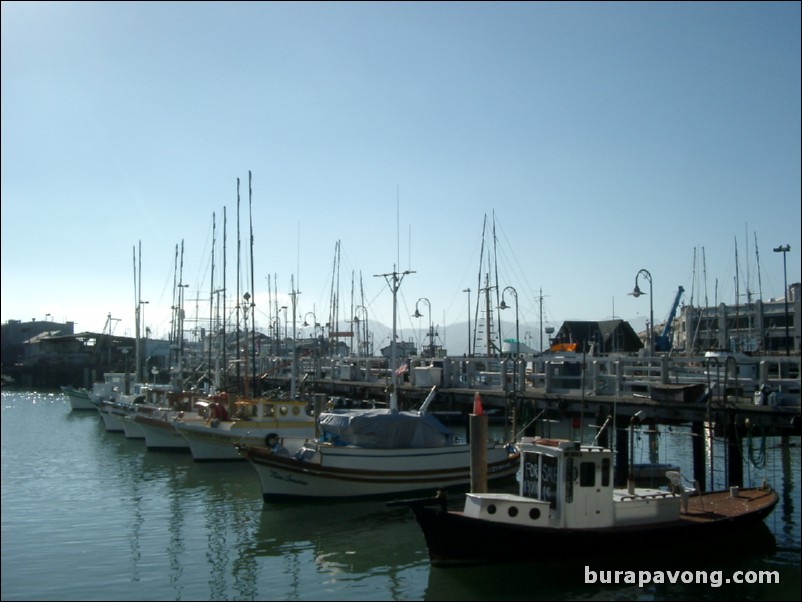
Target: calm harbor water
pixel 90 515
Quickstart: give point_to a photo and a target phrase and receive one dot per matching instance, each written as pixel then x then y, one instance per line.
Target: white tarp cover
pixel 385 429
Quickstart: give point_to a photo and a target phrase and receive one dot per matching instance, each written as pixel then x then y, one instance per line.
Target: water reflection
pixel 564 578
pixel 349 542
pixel 92 515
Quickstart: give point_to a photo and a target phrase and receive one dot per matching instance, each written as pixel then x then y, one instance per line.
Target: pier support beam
pixel 621 451
pixel 735 460
pixel 698 446
pixel 478 430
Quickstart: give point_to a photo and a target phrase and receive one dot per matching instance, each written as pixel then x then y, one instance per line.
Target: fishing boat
pixel 372 453
pixel 567 505
pixel 254 421
pixel 158 425
pixel 79 398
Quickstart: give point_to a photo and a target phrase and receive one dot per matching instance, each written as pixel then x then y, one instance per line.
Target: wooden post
pixel 698 446
pixel 320 400
pixel 735 461
pixel 477 423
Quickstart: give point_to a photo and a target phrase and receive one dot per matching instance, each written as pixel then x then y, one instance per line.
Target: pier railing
pixel 769 380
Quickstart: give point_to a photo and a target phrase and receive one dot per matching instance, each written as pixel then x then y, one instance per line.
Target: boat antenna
pixel 428 401
pixel 528 424
pixel 601 430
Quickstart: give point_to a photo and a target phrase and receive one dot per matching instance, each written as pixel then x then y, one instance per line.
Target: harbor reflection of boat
pixel 566 505
pixel 374 453
pixel 361 537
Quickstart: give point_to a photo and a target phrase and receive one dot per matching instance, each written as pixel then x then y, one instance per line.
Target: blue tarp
pixel 385 429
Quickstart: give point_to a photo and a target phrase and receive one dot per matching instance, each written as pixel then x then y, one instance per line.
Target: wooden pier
pixel 731 397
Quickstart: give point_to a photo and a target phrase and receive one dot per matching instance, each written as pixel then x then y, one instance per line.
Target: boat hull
pixel 79 399
pixel 208 443
pixel 453 538
pixel 160 434
pixel 112 419
pixel 340 473
pixel 132 429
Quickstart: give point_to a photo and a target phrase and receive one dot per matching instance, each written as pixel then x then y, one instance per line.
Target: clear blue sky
pixel 605 138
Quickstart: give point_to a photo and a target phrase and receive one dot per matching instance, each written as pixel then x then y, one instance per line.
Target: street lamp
pixel 505 306
pixel 467 290
pixel 637 293
pixel 314 323
pixel 784 249
pixel 417 314
pixel 362 328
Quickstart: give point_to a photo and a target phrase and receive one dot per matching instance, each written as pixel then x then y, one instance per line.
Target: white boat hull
pixel 111 420
pixel 211 443
pixel 161 434
pixel 132 429
pixel 79 399
pixel 336 472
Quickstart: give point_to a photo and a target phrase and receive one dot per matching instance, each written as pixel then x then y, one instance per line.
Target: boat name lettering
pixel 289 479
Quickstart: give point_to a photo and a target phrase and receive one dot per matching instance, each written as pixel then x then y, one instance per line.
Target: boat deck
pixel 723 505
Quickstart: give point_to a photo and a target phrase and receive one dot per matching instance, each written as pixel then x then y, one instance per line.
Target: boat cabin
pixel 568 485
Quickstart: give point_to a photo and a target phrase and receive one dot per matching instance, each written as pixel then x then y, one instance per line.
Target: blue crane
pixel 662 342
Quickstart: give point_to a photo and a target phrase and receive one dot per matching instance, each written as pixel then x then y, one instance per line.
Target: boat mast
pixel 757 261
pixel 239 375
pixel 211 295
pixel 224 380
pixel 138 355
pixel 253 291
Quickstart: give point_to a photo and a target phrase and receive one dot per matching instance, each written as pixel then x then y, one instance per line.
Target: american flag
pixel 403 368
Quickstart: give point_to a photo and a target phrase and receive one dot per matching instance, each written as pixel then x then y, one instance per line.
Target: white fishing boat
pixel 567 506
pixel 158 425
pixel 374 453
pixel 212 436
pixel 79 398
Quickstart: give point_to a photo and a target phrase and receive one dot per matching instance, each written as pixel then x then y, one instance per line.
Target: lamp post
pixel 636 418
pixel 637 293
pixel 276 326
pixel 467 290
pixel 362 341
pixel 505 306
pixel 314 323
pixel 127 379
pixel 784 249
pixel 417 314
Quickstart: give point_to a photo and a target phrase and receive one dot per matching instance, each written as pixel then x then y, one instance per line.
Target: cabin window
pixel 587 474
pixel 570 475
pixel 548 480
pixel 605 475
